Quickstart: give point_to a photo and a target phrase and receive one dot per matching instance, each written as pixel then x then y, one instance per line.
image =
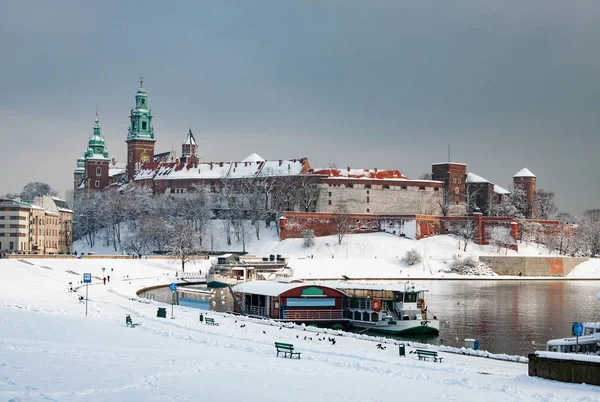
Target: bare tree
pixel 444 201
pixel 465 231
pixel 544 204
pixel 341 221
pixel 425 176
pixel 308 192
pixel 412 257
pixel 36 189
pixel 184 244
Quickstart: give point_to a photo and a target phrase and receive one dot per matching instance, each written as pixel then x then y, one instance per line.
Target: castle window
pixel 97 183
pixel 329 202
pixel 368 210
pixel 143 125
pixel 367 199
pixel 457 190
pixel 367 191
pixel 454 180
pixel 367 186
pixel 143 102
pixel 421 187
pixel 386 186
pixel 350 185
pixel 330 193
pixel 98 172
pixel 403 187
pixel 458 180
pixel 436 189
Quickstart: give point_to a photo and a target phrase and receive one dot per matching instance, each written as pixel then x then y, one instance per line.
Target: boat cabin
pixel 293 301
pixel 589 342
pixel 382 302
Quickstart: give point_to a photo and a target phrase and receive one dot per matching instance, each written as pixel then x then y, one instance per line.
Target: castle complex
pixel 330 190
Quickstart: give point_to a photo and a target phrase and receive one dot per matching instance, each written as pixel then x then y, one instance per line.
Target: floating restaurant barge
pixel 391 308
pixel 289 301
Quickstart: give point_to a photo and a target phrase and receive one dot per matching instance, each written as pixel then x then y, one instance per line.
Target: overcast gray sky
pixel 385 84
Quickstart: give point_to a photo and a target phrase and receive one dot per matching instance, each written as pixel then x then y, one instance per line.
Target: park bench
pixel 286 348
pixel 128 321
pixel 210 321
pixel 428 354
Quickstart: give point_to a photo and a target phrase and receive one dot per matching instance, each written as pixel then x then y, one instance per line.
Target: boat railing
pixel 256 310
pixel 312 315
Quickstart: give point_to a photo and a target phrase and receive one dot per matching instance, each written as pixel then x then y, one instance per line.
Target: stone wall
pixel 379 199
pixel 575 371
pixel 532 266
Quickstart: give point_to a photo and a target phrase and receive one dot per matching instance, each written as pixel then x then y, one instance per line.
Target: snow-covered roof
pixel 253 158
pixel 360 174
pixel 500 190
pixel 266 288
pixel 524 173
pixel 473 178
pixel 398 287
pixel 65 210
pixel 115 171
pixel 449 163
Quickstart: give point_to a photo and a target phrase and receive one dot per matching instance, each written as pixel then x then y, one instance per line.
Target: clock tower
pixel 140 135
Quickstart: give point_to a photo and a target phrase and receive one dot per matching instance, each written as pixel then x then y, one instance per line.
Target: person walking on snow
pixel 105 280
pixel 108 278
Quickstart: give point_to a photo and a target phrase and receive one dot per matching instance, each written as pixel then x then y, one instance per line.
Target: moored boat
pixel 388 308
pixel 588 342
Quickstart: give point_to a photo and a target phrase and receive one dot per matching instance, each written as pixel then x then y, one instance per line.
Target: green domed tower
pixel 95 161
pixel 140 135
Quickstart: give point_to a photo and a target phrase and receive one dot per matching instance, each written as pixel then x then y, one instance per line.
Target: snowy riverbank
pixel 49 350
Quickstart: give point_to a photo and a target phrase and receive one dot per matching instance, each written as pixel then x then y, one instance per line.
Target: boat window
pixel 410 297
pixel 589 331
pixel 398 297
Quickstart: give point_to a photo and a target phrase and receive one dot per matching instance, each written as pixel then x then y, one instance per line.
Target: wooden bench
pixel 286 349
pixel 429 354
pixel 128 321
pixel 210 321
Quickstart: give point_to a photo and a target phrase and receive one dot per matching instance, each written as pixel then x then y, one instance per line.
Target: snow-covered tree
pixel 589 230
pixel 500 237
pixel 544 204
pixel 308 238
pixel 445 200
pixel 465 230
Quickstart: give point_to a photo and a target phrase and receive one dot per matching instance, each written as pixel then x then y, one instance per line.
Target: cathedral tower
pixel 96 161
pixel 189 149
pixel 140 135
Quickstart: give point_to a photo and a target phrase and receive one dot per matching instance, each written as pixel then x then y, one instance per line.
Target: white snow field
pixel 50 351
pixel 374 255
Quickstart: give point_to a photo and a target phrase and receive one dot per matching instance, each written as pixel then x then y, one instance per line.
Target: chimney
pixel 220 164
pixel 280 162
pixel 235 164
pixel 211 166
pixel 348 168
pixel 375 170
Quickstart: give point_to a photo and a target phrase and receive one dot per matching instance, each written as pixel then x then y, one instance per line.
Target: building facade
pixel 32 229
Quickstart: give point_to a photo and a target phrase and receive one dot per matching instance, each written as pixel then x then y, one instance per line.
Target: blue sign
pixel 173 287
pixel 87 278
pixel 578 329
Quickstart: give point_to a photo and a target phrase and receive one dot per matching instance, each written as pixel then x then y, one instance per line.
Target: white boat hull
pixel 407 327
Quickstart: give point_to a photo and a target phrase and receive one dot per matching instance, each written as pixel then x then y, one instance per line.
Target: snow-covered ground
pixel 374 255
pixel 49 350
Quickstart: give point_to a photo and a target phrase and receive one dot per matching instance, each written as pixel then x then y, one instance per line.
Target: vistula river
pixel 505 316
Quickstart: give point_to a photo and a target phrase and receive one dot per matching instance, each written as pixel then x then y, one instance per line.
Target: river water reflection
pixel 507 316
pixel 504 316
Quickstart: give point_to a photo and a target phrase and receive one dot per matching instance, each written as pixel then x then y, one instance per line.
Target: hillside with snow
pixel 369 255
pixel 50 350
